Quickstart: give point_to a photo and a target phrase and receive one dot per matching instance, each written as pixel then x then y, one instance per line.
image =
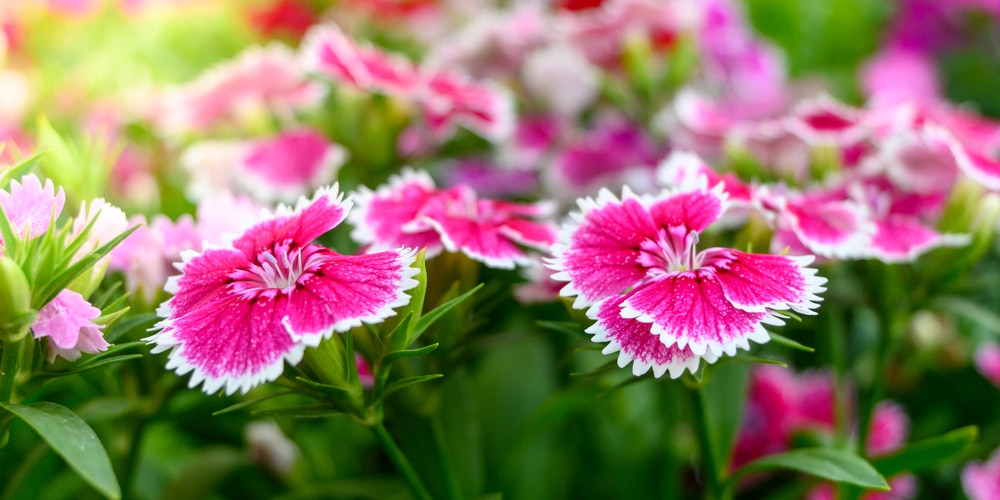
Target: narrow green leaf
pixel 406 382
pixel 308 411
pixel 92 365
pixel 826 463
pixel 428 319
pixel 329 390
pixel 725 395
pixel 250 402
pixel 567 327
pixel 129 325
pixel 88 261
pixel 20 169
pixel 787 342
pixel 925 454
pixel 71 438
pixel 392 357
pixel 971 311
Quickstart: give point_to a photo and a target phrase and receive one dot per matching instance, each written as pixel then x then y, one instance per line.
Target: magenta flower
pixel 31 208
pixel 239 311
pixel 664 304
pixel 988 361
pixel 411 211
pixel 67 321
pixel 327 50
pixel 981 481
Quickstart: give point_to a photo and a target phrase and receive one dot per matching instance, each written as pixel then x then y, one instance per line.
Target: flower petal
pixel 602 256
pixel 636 344
pixel 830 228
pixel 390 216
pixel 309 220
pixel 753 282
pixel 693 210
pixel 901 238
pixel 690 309
pixel 349 290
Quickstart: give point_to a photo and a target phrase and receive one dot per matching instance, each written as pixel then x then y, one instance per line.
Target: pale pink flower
pixel 562 79
pixel 213 166
pixel 889 428
pixel 411 211
pixel 897 74
pixel 988 361
pixel 601 33
pixel 261 79
pixel 240 311
pixel 146 256
pixel 67 321
pixel 449 99
pixel 981 481
pixel 660 302
pixel 30 207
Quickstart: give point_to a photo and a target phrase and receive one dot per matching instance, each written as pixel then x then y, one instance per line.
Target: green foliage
pixel 73 440
pixel 826 463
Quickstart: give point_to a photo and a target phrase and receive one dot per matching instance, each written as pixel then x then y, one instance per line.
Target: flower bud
pixel 15 300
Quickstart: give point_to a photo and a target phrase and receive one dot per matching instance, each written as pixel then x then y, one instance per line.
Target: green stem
pixel 716 489
pixel 401 462
pixel 8 369
pixel 838 358
pixel 890 325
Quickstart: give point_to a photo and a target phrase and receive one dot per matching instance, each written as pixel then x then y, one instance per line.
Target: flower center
pixel 280 269
pixel 673 251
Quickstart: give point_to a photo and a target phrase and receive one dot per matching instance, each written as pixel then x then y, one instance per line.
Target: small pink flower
pixel 665 305
pixel 449 99
pixel 287 166
pixel 896 74
pixel 31 208
pixel 770 414
pixel 605 154
pixel 67 322
pixel 365 375
pixel 889 428
pixel 988 361
pixel 981 481
pixel 328 51
pixel 239 311
pixel 411 211
pixel 146 256
pixel 260 79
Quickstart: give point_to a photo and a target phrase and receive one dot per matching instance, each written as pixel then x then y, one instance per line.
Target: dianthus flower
pixel 658 300
pixel 240 310
pixel 981 481
pixel 411 211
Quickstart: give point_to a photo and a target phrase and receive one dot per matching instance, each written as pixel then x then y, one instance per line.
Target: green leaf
pixel 392 357
pixel 406 382
pixel 971 311
pixel 567 327
pixel 250 402
pixel 725 395
pixel 927 453
pixel 787 342
pixel 307 411
pixel 18 170
pixel 92 365
pixel 72 439
pixel 428 319
pixel 826 463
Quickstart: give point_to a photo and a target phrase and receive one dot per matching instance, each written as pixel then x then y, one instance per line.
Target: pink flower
pixel 988 361
pixel 770 414
pixel 411 211
pixel 239 311
pixel 328 51
pixel 67 322
pixel 260 79
pixel 608 151
pixel 30 208
pixel 147 255
pixel 663 304
pixel 287 166
pixel 889 427
pixel 981 481
pixel 449 99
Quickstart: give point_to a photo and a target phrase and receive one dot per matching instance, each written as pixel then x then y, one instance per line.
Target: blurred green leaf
pixel 250 402
pixel 73 440
pixel 396 355
pixel 791 344
pixel 203 473
pixel 922 455
pixel 827 463
pixel 428 319
pixel 964 308
pixel 406 382
pixel 725 396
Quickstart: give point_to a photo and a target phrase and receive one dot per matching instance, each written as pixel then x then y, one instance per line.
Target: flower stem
pixel 716 489
pixel 890 323
pixel 8 369
pixel 402 464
